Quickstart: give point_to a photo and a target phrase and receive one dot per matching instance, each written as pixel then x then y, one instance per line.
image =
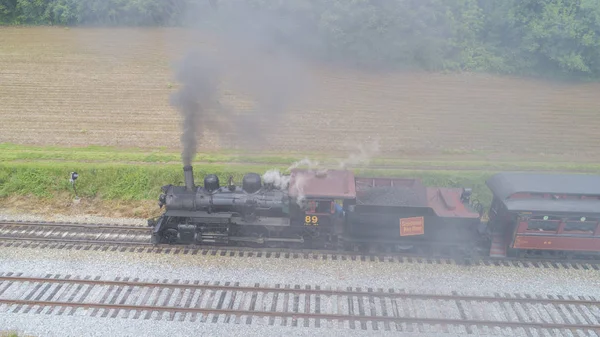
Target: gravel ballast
pixel 10 215
pixel 62 326
pixel 247 271
pixel 484 280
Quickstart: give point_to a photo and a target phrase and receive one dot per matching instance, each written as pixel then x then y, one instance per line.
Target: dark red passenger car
pixel 558 212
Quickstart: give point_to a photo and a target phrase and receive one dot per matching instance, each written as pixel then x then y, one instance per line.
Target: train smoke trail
pixel 365 153
pixel 243 76
pixel 199 78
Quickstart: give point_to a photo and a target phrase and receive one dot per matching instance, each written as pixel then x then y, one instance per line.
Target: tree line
pixel 526 37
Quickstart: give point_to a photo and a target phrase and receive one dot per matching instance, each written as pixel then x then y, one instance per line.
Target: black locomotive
pixel 255 213
pixel 314 209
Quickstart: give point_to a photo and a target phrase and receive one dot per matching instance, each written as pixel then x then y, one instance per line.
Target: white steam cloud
pixel 282 181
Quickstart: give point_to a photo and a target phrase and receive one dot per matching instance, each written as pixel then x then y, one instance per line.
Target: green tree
pixel 8 10
pixel 563 35
pixel 503 36
pixel 62 12
pixel 32 12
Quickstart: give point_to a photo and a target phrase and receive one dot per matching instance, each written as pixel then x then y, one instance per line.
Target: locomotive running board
pixel 263 240
pixel 227 218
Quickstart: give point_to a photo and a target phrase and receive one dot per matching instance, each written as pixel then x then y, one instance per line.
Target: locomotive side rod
pixel 264 240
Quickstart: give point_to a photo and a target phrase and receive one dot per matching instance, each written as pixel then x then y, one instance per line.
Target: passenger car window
pixel 543 223
pixel 581 225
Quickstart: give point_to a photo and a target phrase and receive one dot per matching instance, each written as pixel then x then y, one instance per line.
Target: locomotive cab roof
pixel 335 184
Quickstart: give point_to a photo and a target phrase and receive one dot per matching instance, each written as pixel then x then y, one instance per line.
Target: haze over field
pixel 262 85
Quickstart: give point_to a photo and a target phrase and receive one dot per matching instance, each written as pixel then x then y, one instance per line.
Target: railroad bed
pixel 298 305
pixel 74 232
pixel 80 236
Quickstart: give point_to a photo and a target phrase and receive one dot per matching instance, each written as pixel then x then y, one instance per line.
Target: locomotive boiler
pixel 219 214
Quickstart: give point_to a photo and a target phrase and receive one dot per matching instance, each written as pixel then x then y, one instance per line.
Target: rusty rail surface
pixel 74 233
pixel 391 293
pixel 70 225
pixel 387 310
pixel 52 235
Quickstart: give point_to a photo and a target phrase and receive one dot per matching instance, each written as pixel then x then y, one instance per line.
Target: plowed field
pixel 111 87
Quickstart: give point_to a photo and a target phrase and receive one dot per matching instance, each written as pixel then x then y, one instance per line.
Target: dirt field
pixel 111 87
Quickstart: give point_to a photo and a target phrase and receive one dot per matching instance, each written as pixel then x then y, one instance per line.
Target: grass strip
pixel 142 182
pixel 99 154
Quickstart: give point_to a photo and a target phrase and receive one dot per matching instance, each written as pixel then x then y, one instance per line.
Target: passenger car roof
pixel 580 207
pixel 505 184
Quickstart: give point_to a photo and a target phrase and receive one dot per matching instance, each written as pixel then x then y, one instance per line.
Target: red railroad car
pixel 544 212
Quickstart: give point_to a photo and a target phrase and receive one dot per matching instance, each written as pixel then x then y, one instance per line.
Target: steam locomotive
pixel 333 209
pixel 257 212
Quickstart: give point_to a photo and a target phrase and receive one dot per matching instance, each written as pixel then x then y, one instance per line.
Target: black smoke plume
pixel 246 58
pixel 198 75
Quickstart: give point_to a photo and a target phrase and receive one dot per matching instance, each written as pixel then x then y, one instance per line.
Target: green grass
pixel 135 174
pixel 103 180
pixel 143 182
pixel 9 334
pixel 13 152
pixel 97 154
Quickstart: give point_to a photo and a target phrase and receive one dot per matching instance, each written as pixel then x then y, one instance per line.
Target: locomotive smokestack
pixel 188 174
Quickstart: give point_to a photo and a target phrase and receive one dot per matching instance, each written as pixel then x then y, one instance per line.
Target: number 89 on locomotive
pixel 311 220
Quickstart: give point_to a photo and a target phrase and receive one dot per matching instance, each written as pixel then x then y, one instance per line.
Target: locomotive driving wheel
pixel 170 236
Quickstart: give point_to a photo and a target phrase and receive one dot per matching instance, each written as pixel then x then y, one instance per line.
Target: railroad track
pixel 296 305
pixel 107 237
pixel 74 233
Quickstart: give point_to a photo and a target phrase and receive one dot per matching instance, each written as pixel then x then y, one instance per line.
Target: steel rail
pixel 305 315
pixel 61 240
pixel 363 256
pixel 74 225
pixel 325 292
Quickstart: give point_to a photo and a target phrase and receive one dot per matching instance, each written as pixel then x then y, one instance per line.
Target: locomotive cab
pixel 317 201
